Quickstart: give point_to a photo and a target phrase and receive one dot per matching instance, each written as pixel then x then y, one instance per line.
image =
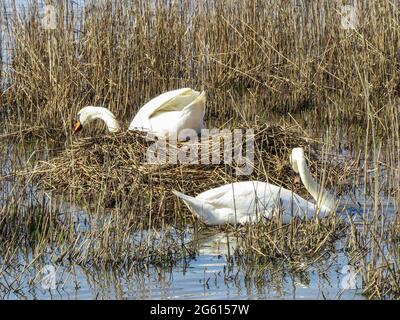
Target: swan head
pixel 84 116
pixel 90 113
pixel 296 156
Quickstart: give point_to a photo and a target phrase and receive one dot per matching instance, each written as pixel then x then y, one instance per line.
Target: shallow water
pixel 204 277
pixel 208 275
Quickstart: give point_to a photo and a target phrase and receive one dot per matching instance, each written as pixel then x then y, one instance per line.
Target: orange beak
pixel 77 127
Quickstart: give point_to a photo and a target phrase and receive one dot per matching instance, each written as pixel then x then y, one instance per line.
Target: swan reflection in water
pixel 216 243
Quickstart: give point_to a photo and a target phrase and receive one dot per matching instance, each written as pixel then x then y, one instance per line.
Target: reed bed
pixel 117 165
pixel 374 251
pixel 132 209
pixel 50 230
pixel 296 246
pixel 254 58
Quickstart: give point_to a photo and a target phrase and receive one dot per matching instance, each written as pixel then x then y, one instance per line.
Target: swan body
pixel 171 112
pixel 248 201
pixel 166 115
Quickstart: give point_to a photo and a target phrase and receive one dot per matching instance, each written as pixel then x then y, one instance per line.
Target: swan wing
pixel 252 199
pixel 248 201
pixel 242 201
pixel 175 100
pixel 174 122
pixel 240 191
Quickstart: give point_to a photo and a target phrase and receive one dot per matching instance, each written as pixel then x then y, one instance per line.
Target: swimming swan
pixel 167 114
pixel 248 201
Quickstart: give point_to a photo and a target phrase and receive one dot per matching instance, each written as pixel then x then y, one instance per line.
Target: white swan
pixel 171 112
pixel 248 201
pixel 90 113
pixel 167 114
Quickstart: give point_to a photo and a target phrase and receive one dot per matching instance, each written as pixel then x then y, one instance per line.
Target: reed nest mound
pixel 114 167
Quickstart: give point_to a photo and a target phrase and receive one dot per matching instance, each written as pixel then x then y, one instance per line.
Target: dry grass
pixel 375 253
pixel 121 54
pixel 253 57
pixel 297 245
pixel 130 200
pixel 115 167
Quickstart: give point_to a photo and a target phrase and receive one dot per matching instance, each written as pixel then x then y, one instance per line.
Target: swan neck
pixel 113 125
pixel 110 121
pixel 322 197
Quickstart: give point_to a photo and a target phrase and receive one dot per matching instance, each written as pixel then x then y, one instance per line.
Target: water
pixel 204 277
pixel 210 274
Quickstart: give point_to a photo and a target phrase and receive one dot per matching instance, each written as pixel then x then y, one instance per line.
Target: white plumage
pixel 247 202
pixel 166 115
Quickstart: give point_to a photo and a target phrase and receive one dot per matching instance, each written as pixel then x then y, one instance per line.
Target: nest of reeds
pixel 115 168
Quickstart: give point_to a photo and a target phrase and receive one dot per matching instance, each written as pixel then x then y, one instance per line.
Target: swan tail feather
pixel 196 206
